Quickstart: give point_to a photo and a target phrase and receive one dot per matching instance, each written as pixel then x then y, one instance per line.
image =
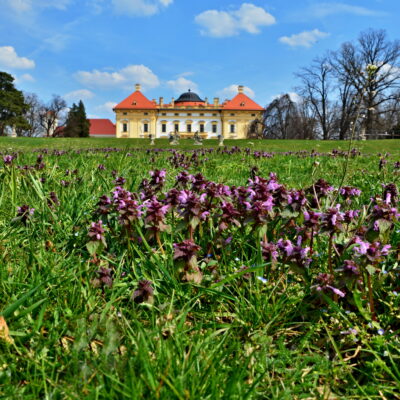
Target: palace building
pixel 139 117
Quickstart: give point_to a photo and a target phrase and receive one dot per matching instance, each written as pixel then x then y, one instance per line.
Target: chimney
pixel 161 101
pixel 216 101
pixel 173 102
pixel 241 89
pixel 138 87
pixel 206 101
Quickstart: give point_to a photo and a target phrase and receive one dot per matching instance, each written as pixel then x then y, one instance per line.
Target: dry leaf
pixel 4 331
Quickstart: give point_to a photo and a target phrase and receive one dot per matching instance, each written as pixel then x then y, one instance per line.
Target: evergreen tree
pixel 77 124
pixel 12 105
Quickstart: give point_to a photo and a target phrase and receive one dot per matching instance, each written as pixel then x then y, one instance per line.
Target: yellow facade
pixel 138 117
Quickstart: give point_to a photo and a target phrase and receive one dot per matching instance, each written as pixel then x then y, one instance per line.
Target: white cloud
pixel 389 71
pixel 182 85
pixel 140 7
pixel 293 96
pixel 57 42
pixel 248 18
pixel 232 90
pixel 326 9
pixel 81 94
pixel 106 107
pixel 125 78
pixel 23 78
pixel 22 6
pixel 187 73
pixel 10 59
pixel 26 78
pixel 304 39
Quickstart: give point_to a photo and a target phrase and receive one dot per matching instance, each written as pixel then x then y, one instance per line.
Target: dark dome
pixel 189 96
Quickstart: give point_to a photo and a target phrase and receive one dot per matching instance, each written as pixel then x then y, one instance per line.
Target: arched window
pixel 145 126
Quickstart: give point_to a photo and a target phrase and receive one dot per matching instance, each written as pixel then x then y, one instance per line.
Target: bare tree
pixel 32 116
pixel 373 90
pixel 389 117
pixel 316 86
pixel 52 114
pixel 278 118
pixel 305 121
pixel 284 119
pixel 344 109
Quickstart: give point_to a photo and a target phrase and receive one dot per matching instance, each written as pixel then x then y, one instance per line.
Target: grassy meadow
pixel 259 270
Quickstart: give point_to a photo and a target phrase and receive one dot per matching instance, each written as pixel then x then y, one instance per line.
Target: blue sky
pixel 96 50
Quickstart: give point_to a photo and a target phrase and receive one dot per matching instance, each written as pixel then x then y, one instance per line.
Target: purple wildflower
pixel 312 219
pixel 348 191
pixel 53 200
pixel 104 205
pixel 185 250
pixel 157 180
pixel 324 284
pixel 390 194
pixel 372 251
pixel 229 216
pixel 120 181
pixel 96 231
pixel 332 219
pixel 183 178
pixel 8 159
pixel 351 215
pixel 144 293
pixel 24 213
pixel 104 278
pixel 270 251
pixel 155 215
pixel 350 268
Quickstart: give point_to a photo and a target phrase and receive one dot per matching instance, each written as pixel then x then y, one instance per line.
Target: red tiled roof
pixel 101 127
pixel 136 101
pixel 241 102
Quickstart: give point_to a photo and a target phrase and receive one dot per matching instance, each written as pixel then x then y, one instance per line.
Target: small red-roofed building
pixel 139 117
pixel 101 128
pixel 98 127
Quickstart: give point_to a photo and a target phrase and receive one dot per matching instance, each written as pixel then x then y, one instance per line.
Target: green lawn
pixel 370 146
pixel 231 323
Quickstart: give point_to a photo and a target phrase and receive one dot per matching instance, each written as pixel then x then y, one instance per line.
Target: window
pixel 146 113
pixel 189 127
pixel 164 128
pixel 201 114
pixel 189 114
pixel 214 115
pixel 124 127
pixel 201 128
pixel 163 113
pixel 176 114
pixel 125 113
pixel 145 127
pixel 232 128
pixel 232 115
pixel 214 128
pixel 176 127
pixel 253 115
